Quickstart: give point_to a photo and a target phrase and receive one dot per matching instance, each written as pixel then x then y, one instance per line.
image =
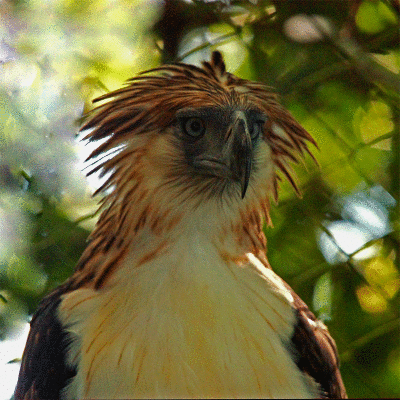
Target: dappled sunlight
pixel 371 300
pixel 307 29
pixel 383 283
pixel 10 354
pixel 10 232
pixel 365 219
pixel 357 238
pixel 195 46
pixel 344 238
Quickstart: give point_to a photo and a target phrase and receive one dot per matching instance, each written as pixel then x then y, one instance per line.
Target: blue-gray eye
pixel 194 127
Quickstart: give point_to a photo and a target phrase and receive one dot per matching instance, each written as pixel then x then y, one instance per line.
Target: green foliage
pixel 336 66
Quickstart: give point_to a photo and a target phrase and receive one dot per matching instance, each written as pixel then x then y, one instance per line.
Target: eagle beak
pixel 241 151
pixel 232 157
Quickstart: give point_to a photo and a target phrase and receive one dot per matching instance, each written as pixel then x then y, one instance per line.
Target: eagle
pixel 174 296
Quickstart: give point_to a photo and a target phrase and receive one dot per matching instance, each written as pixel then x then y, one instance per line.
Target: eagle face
pixel 219 146
pixel 190 136
pixel 212 155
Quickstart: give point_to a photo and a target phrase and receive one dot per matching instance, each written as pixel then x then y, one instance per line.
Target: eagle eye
pixel 194 127
pixel 256 129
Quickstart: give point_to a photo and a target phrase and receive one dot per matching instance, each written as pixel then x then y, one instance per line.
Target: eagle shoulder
pixel 44 372
pixel 315 351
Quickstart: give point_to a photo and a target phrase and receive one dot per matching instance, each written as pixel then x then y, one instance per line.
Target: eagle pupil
pixel 195 126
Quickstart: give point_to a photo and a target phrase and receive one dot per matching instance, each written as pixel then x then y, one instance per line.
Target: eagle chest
pixel 184 327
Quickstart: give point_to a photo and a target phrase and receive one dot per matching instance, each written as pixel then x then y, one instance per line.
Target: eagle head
pixel 180 136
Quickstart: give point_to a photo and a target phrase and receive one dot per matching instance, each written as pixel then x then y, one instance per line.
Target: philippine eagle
pixel 173 296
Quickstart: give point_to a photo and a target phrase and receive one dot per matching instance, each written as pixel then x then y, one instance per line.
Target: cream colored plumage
pixel 173 296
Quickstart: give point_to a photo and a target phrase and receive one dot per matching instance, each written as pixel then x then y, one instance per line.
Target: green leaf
pixel 374 16
pixel 322 297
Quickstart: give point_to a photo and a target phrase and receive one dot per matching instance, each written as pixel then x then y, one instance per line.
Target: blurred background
pixel 335 65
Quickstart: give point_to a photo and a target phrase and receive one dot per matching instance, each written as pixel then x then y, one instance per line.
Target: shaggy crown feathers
pixel 150 101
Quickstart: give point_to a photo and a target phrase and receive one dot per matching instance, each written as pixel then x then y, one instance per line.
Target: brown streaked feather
pixel 129 110
pixel 315 351
pixel 288 175
pixel 108 267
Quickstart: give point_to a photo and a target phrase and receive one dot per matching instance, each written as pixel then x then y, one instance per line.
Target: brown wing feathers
pixel 315 351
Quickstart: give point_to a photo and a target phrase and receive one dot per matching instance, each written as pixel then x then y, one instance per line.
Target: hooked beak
pixel 233 160
pixel 241 153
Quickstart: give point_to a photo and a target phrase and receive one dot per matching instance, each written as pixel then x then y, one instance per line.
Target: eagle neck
pixel 147 231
